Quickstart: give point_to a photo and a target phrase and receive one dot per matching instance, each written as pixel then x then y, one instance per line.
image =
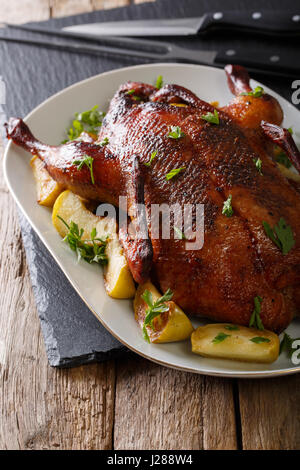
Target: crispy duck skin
pixel 237 261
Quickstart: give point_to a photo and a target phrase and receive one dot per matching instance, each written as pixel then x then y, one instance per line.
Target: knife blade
pixel 264 22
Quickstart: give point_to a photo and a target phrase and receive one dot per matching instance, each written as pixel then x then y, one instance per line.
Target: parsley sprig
pixel 174 172
pixel 256 93
pixel 85 160
pixel 255 320
pixel 259 339
pixel 281 234
pixel 176 133
pixel 88 121
pixel 227 207
pixel 155 309
pixel 104 142
pixel 213 118
pixel 220 337
pixel 92 251
pixel 159 81
pixel 286 344
pixel 258 163
pixel 152 156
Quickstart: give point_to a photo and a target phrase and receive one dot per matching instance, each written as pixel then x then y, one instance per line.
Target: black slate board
pixel 72 334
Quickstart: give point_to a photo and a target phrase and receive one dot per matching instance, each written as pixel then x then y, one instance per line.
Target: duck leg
pixel 284 139
pixel 247 109
pixel 98 179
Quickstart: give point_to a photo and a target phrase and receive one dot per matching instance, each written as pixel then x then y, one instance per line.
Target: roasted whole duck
pixel 238 260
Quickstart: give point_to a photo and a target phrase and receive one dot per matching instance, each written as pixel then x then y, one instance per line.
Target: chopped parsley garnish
pixel 286 344
pixel 258 164
pixel 179 233
pixel 213 118
pixel 155 309
pixel 104 142
pixel 283 159
pixel 159 82
pixel 176 133
pixel 281 234
pixel 231 327
pixel 92 251
pixel 174 172
pixel 256 93
pixel 152 156
pixel 135 97
pixel 85 160
pixel 88 121
pixel 255 320
pixel 259 339
pixel 220 337
pixel 227 207
pixel 290 130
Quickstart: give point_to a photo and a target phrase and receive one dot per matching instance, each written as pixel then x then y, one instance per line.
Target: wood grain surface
pixel 124 404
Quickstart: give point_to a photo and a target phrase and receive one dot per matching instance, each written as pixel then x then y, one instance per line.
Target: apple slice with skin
pixel 169 326
pixel 47 189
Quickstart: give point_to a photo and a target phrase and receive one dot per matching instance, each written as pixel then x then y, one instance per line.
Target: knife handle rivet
pixel 218 15
pixel 296 18
pixel 256 15
pixel 274 58
pixel 230 52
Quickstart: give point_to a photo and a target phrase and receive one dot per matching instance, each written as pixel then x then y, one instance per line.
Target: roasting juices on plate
pixel 163 145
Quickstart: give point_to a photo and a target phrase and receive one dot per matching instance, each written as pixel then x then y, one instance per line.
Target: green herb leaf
pixel 104 142
pixel 259 339
pixel 179 233
pixel 92 251
pixel 281 234
pixel 85 160
pixel 256 93
pixel 291 130
pixel 213 118
pixel 231 327
pixel 220 337
pixel 159 82
pixel 282 158
pixel 227 207
pixel 255 320
pixel 88 121
pixel 258 164
pixel 174 172
pixel 135 97
pixel 153 155
pixel 286 344
pixel 176 133
pixel 155 309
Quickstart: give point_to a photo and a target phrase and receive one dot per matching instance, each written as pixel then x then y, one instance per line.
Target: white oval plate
pixel 48 122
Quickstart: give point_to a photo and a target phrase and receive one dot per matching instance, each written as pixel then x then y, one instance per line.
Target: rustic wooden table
pixel 124 404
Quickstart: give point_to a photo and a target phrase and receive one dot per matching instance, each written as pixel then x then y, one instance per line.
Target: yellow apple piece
pixel 47 189
pixel 170 326
pixel 226 341
pixel 118 280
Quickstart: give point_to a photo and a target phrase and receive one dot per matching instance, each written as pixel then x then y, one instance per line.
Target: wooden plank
pixel 270 413
pixel 16 11
pixel 160 408
pixel 41 407
pixel 70 7
pixel 108 4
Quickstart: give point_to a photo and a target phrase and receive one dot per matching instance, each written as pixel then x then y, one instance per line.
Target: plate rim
pixel 209 372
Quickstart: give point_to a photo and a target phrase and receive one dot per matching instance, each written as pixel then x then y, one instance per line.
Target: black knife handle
pixel 266 22
pixel 282 62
